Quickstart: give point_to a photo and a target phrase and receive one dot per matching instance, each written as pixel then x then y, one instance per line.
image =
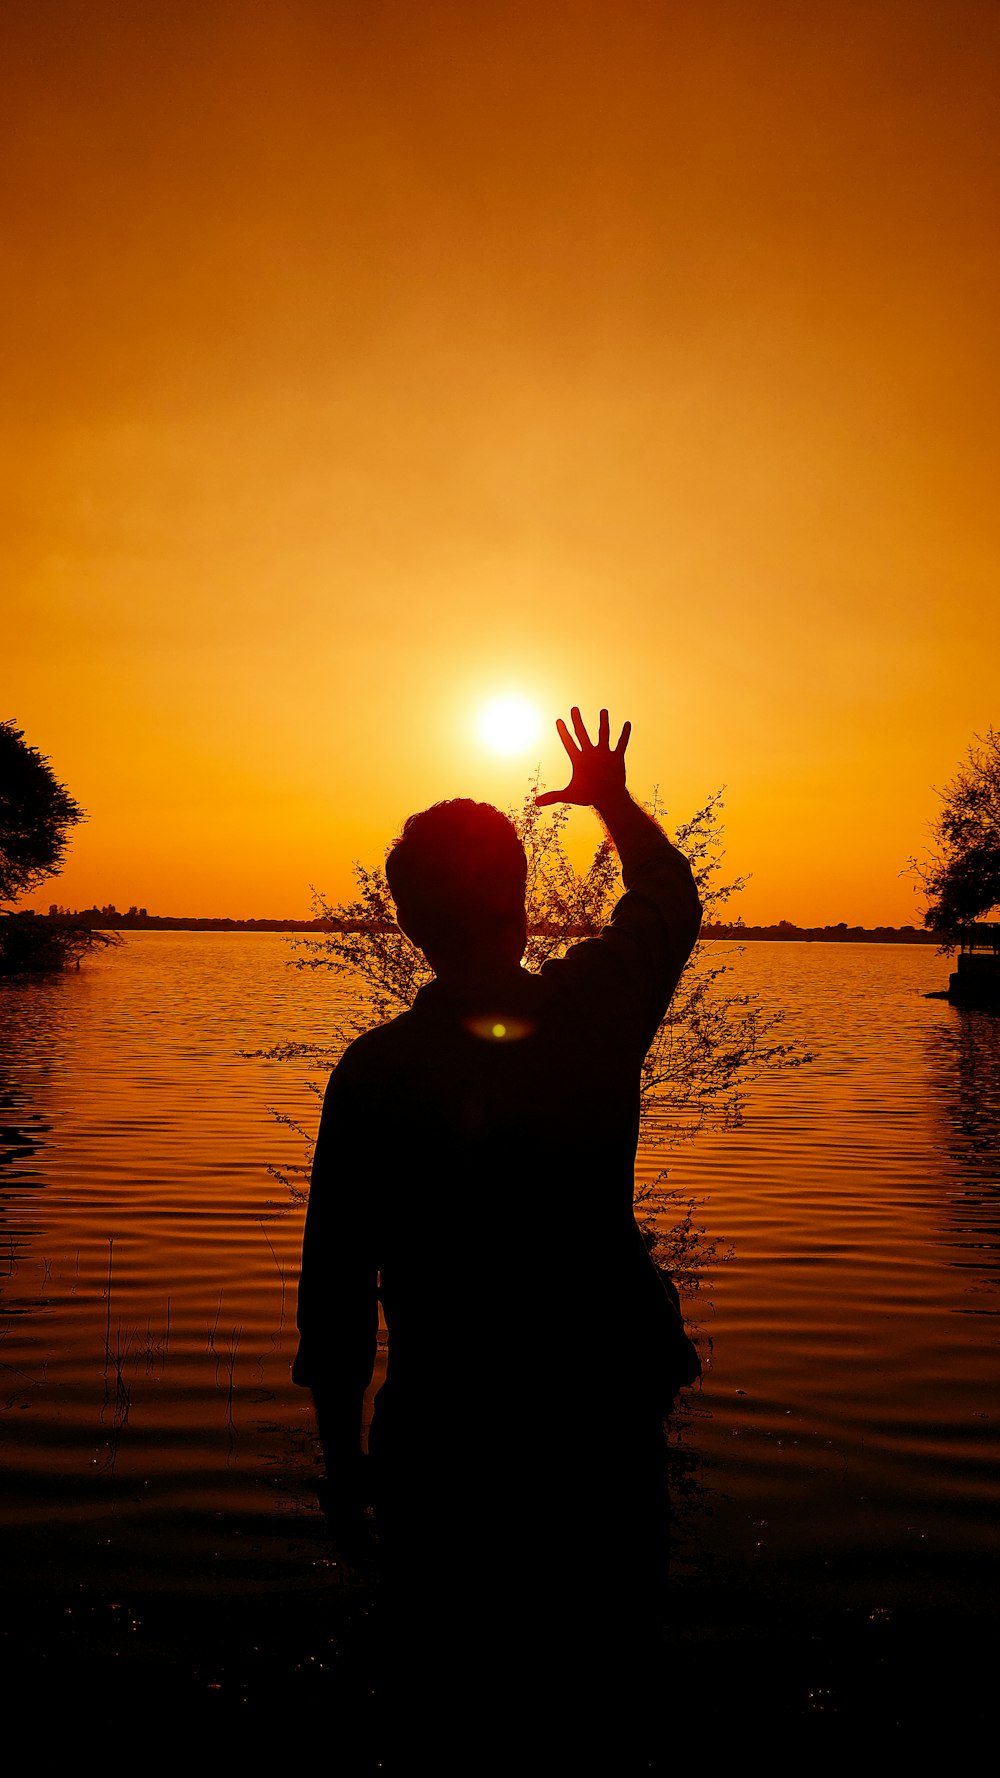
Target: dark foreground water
pixel 837 1557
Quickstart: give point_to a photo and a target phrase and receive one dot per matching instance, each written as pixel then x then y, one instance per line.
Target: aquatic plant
pixel 32 944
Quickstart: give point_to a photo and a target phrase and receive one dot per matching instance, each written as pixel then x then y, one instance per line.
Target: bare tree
pixel 714 1041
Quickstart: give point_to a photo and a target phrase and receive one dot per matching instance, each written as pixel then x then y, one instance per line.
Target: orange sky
pixel 367 358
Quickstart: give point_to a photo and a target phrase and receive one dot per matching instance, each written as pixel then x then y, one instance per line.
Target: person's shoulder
pixel 359 1079
pixel 372 1047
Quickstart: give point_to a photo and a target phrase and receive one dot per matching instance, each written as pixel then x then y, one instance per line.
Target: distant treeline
pixel 841 934
pixel 138 920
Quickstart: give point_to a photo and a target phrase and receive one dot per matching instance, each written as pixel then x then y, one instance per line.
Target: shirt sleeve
pixel 634 965
pixel 338 1284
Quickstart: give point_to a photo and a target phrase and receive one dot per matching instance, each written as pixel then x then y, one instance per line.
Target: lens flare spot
pixel 509 1029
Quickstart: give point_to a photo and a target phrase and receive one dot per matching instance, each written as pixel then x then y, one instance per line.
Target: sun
pixel 509 725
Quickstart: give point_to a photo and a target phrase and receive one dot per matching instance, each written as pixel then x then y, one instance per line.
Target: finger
pixel 551 796
pixel 623 738
pixel 566 738
pixel 581 728
pixel 603 730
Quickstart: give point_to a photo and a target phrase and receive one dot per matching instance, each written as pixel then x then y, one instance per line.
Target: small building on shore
pixel 976 979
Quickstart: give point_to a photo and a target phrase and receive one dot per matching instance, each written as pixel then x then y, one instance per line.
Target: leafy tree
pixel 962 877
pixel 713 1042
pixel 36 814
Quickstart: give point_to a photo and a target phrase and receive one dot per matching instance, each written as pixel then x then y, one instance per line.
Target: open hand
pixel 598 769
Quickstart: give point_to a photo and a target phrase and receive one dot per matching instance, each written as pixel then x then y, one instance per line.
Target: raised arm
pixel 653 928
pixel 598 780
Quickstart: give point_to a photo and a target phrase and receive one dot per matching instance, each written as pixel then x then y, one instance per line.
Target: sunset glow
pixel 640 356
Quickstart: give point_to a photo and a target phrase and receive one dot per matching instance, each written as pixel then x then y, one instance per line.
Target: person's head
pixel 457 875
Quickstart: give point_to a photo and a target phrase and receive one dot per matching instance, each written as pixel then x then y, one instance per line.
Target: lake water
pixel 837 1468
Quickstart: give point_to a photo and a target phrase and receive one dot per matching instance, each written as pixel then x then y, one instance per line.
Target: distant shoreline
pixel 110 920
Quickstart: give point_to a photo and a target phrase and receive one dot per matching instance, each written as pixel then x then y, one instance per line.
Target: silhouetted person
pixel 474 1171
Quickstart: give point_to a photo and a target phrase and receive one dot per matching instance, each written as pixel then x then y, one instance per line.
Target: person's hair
pixel 457 874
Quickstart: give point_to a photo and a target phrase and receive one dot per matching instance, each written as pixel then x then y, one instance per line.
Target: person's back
pixel 474 1170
